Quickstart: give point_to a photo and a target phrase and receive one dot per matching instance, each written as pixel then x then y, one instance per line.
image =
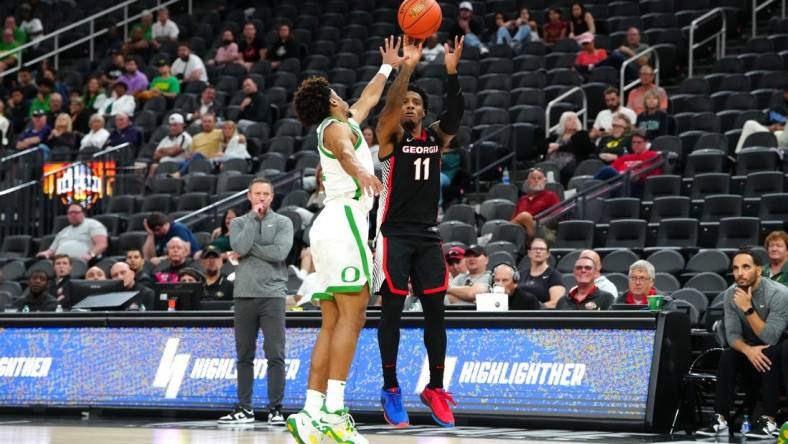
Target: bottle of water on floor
pixel 505 177
pixel 745 426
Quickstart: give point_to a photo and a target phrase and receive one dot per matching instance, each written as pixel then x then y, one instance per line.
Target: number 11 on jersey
pixel 422 162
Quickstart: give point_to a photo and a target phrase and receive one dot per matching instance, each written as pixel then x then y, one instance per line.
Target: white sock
pixel 335 395
pixel 314 402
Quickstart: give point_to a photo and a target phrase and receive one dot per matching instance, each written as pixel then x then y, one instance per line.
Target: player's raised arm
pixel 374 89
pixel 450 120
pixel 389 130
pixel 337 139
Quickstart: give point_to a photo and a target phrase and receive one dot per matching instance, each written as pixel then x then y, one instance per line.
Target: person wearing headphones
pixel 504 275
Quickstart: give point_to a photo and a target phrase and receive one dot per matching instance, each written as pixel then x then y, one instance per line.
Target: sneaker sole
pixel 721 432
pixel 400 425
pixel 291 427
pixel 440 423
pixel 758 436
pixel 236 421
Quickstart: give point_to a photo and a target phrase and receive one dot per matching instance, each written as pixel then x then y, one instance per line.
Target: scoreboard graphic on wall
pixel 84 183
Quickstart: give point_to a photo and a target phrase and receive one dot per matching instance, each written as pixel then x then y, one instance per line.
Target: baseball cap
pixel 466 5
pixel 585 37
pixel 455 253
pixel 211 250
pixel 475 250
pixel 162 62
pixel 193 272
pixel 175 118
pixel 39 112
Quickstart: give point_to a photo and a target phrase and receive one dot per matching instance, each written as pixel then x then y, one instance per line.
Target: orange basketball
pixel 419 18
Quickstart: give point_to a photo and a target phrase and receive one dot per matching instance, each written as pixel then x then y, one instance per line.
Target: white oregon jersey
pixel 339 184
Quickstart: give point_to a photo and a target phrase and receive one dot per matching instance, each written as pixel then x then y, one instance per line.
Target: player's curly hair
pixel 312 100
pixel 425 98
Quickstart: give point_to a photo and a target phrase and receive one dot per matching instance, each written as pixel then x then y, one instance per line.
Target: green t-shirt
pixel 168 85
pixel 7 47
pixel 39 104
pixel 781 277
pixel 147 33
pixel 20 36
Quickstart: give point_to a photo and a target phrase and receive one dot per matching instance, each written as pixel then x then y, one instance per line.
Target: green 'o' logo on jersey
pixel 350 274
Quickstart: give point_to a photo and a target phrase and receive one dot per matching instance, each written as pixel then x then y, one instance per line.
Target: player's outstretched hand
pixel 370 184
pixel 452 58
pixel 390 51
pixel 412 52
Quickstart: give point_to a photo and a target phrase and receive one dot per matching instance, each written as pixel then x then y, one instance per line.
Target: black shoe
pixel 275 416
pixel 238 416
pixel 763 428
pixel 718 426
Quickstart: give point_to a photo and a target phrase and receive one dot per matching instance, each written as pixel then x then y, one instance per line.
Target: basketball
pixel 419 18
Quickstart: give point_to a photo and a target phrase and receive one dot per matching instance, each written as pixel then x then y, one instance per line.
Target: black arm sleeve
pixel 454 107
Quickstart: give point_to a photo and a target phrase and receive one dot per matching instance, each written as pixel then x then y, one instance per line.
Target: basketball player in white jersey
pixel 339 247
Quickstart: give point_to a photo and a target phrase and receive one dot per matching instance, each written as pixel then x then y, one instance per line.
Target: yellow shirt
pixel 208 144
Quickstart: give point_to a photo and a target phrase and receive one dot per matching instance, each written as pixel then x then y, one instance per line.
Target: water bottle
pixel 505 177
pixel 59 308
pixel 25 309
pixel 745 425
pixel 142 307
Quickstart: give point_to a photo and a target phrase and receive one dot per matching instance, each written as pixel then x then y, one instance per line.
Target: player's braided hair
pixel 312 100
pixel 425 99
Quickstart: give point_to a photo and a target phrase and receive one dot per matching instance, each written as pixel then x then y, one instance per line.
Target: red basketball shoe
pixel 438 401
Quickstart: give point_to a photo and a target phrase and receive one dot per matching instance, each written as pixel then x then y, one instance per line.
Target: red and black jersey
pixel 411 186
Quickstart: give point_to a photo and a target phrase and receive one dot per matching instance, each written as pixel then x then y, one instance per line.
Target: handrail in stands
pixel 583 111
pixel 476 174
pixel 719 36
pixel 624 88
pixel 756 8
pixel 19 154
pixel 55 35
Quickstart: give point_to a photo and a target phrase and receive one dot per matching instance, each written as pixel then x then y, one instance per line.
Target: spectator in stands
pixel 6 128
pixel 641 284
pixel 124 133
pixel 137 264
pixel 176 146
pixel 776 245
pixel 97 137
pixel 119 102
pixel 160 230
pixel 250 47
pixel 653 120
pixel 555 29
pixel 121 271
pixel 631 46
pixel 570 146
pixel 233 142
pixel 188 67
pixel 20 36
pixel 603 123
pixel 25 83
pixel 95 274
pixel 62 267
pixel 506 277
pixel 80 117
pixel 617 142
pixel 580 20
pixel 284 47
pixel 515 33
pixel 84 238
pixel 586 295
pixel 62 135
pixel 589 55
pixel 207 144
pixel 756 314
pixel 255 107
pixel 207 105
pixel 189 275
pixel 17 110
pixel 164 30
pixel 55 106
pixel 134 79
pixel 41 100
pixel 431 51
pixel 227 52
pixel 36 134
pixel 539 282
pixel 774 126
pixel 137 45
pixel 217 287
pixel 464 288
pixel 451 160
pixel 162 85
pixel 36 297
pixel 220 237
pixel 30 24
pixel 177 258
pixel 455 261
pixel 372 142
pixel 111 42
pixel 602 282
pixel 469 26
pixel 111 73
pixel 635 162
pixel 59 87
pixel 8 58
pixel 535 200
pixel 636 96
